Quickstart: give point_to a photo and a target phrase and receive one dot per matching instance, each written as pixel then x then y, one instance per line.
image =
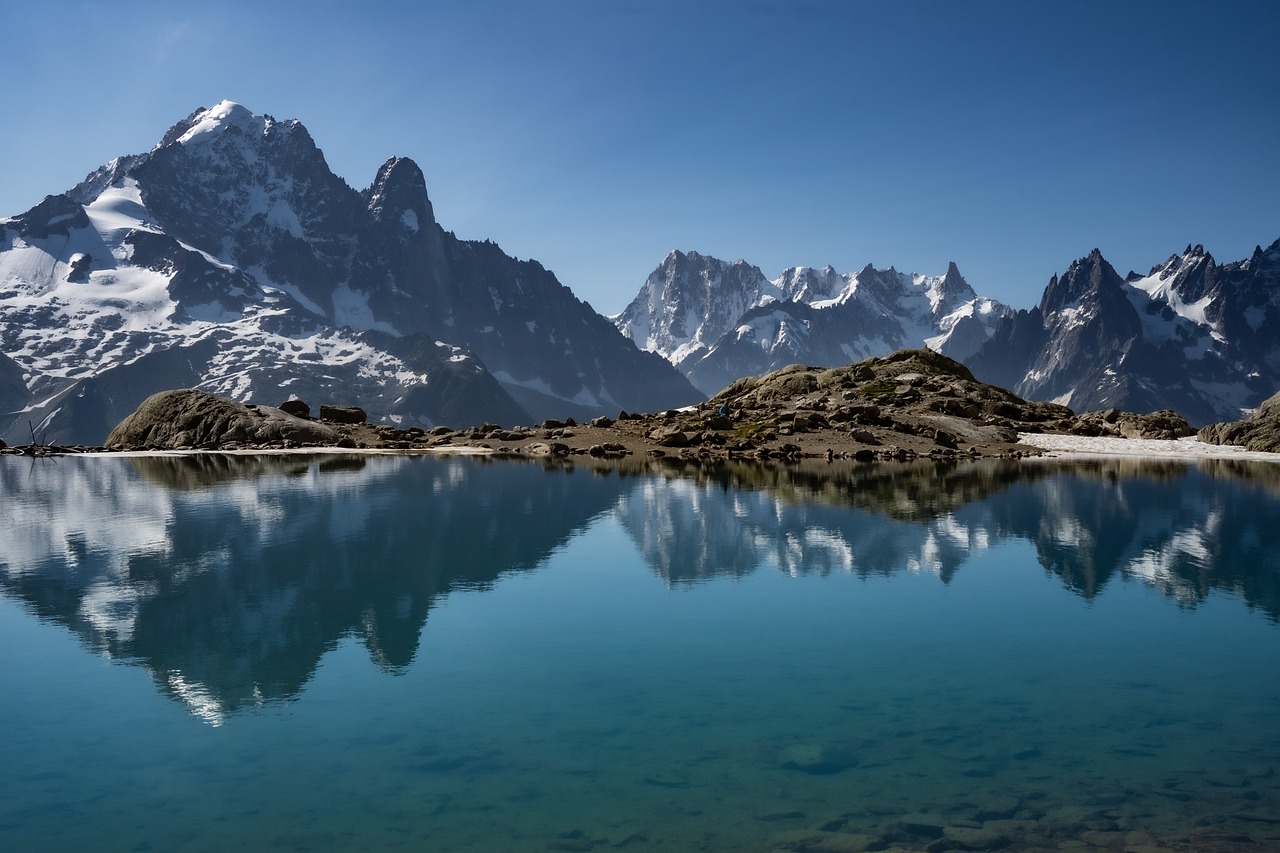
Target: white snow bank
pixel 1182 448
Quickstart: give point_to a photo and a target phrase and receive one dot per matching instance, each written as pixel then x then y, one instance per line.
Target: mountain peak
pixel 400 191
pixel 1090 277
pixel 207 123
pixel 953 282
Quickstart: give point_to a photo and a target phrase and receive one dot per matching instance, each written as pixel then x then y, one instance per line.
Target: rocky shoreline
pixel 913 404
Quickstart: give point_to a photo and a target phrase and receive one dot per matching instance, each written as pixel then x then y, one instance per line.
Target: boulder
pixel 188 418
pixel 297 408
pixel 542 448
pixel 343 414
pixel 671 437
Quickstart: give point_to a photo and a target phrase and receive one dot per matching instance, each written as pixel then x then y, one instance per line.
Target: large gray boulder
pixel 1261 431
pixel 187 418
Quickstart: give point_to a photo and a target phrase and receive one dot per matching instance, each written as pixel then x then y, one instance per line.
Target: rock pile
pixel 1164 425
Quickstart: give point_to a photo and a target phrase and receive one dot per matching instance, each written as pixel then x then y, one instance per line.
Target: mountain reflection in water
pixel 229 577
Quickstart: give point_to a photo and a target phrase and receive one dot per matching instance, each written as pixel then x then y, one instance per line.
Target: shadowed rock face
pixel 1261 431
pixel 189 418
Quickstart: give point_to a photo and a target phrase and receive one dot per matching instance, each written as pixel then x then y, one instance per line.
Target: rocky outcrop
pixel 1112 423
pixel 907 405
pixel 1261 431
pixel 911 398
pixel 192 419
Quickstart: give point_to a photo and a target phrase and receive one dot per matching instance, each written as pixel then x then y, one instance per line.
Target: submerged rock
pixel 188 418
pixel 818 759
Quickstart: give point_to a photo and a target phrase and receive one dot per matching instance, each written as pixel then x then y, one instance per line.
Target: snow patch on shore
pixel 1182 448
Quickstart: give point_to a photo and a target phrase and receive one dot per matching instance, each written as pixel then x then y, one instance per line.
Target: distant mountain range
pixel 718 321
pixel 1190 335
pixel 230 258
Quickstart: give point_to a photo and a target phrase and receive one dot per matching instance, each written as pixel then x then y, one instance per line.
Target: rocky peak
pixel 1269 256
pixel 689 300
pixel 953 283
pixel 227 117
pixel 1090 278
pixel 55 214
pixel 399 194
pixel 1193 275
pixel 180 128
pixel 804 284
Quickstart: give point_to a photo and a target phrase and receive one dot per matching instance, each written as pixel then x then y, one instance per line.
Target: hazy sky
pixel 596 135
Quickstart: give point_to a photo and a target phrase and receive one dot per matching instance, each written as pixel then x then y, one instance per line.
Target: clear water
pixel 345 653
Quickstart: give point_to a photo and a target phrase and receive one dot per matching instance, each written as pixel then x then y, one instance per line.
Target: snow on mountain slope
pixel 1190 335
pixel 88 291
pixel 717 321
pixel 689 302
pixel 229 257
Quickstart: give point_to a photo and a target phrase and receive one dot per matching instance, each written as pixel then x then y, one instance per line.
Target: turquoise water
pixel 340 653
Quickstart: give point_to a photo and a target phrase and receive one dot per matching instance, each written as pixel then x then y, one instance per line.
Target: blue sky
pixel 596 135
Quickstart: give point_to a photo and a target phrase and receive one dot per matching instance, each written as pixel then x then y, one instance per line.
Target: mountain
pixel 230 258
pixel 1193 336
pixel 718 321
pixel 1190 335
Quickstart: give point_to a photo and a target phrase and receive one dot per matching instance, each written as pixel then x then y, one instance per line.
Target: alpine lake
pixel 378 652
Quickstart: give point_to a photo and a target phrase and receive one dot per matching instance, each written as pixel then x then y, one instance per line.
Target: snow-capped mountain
pixel 1192 336
pixel 230 258
pixel 718 321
